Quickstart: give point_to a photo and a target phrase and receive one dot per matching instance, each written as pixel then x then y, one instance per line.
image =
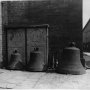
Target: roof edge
pixel 86 24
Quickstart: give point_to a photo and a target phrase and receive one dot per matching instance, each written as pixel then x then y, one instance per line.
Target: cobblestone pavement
pixel 41 80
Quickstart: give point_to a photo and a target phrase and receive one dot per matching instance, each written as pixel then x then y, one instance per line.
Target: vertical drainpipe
pixel 47 42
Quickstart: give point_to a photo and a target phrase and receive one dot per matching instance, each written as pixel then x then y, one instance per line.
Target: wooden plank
pixel 16 40
pixel 37 37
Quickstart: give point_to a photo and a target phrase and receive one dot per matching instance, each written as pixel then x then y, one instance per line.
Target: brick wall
pixel 63 16
pixel 0 34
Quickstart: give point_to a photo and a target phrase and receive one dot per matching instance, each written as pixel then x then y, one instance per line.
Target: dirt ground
pixel 41 80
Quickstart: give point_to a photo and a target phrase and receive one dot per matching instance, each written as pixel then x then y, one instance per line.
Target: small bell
pixel 36 62
pixel 15 61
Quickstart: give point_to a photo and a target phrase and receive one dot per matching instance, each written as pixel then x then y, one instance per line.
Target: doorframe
pixel 6 27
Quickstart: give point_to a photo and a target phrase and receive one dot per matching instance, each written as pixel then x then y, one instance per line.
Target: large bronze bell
pixel 70 62
pixel 36 62
pixel 15 61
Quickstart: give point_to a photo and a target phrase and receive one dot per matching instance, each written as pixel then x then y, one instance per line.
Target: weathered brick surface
pixel 0 34
pixel 63 16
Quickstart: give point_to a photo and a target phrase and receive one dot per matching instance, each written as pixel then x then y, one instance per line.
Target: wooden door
pixel 16 40
pixel 37 37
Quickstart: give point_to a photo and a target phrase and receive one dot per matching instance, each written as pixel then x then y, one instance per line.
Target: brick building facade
pixel 64 18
